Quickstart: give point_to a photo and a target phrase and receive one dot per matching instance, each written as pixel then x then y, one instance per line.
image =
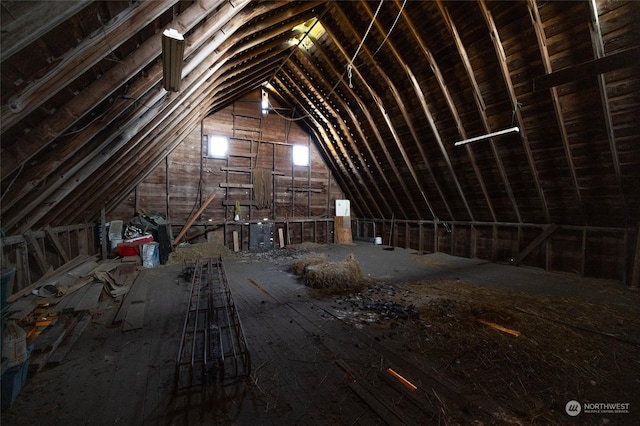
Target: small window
pixel 217 146
pixel 300 155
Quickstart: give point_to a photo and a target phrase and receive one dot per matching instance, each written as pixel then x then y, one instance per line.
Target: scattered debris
pixel 191 252
pixel 401 379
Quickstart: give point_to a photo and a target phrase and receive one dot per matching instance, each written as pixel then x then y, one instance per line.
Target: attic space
pixel 320 212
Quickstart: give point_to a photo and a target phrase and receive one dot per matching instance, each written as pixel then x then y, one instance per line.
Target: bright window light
pixel 217 146
pixel 300 155
pixel 265 102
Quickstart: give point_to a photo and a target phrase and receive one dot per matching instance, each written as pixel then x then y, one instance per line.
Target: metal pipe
pixel 488 135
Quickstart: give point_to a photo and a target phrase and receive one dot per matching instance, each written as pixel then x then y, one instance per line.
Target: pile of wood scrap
pixel 56 309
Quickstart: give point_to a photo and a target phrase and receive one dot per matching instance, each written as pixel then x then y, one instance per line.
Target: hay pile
pixel 330 276
pixel 299 266
pixel 197 251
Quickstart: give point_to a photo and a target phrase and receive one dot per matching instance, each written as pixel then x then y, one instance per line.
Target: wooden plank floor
pixel 308 367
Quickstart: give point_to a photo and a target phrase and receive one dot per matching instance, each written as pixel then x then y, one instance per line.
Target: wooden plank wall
pixel 178 186
pixel 19 251
pixel 587 251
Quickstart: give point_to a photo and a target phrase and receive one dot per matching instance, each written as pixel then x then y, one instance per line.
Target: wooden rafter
pixel 201 71
pixel 34 23
pixel 479 100
pixel 502 61
pixel 599 53
pixel 327 148
pixel 546 61
pixel 355 123
pixel 80 59
pixel 417 140
pixel 48 130
pixel 366 184
pixel 454 113
pixel 383 111
pixel 332 133
pixel 334 97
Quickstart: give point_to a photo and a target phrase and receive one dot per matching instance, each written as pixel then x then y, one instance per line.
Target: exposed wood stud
pixel 479 100
pixel 546 60
pixel 344 149
pixel 454 113
pixel 501 57
pixel 383 111
pixel 357 152
pixel 599 53
pixel 374 128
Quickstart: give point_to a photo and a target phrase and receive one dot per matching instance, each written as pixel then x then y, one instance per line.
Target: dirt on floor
pixel 528 353
pixel 421 339
pixel 525 352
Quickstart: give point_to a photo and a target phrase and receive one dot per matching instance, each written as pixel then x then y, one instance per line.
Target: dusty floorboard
pixel 321 359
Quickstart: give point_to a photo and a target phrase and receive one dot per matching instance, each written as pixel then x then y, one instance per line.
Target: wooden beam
pixel 80 59
pixel 49 129
pixel 236 185
pixel 480 105
pixel 506 75
pixel 542 237
pixel 557 107
pixel 193 218
pixel 228 203
pixel 417 140
pixel 379 102
pixel 308 64
pixel 34 22
pixel 103 233
pixel 454 113
pixel 342 162
pixel 635 272
pixel 626 58
pixel 41 259
pixel 53 237
pixel 598 51
pixel 399 183
pixel 202 35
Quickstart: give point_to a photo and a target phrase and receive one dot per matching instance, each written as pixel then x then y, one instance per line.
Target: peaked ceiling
pixel 386 88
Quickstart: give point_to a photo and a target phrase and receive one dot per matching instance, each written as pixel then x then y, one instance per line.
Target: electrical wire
pixel 391 29
pixel 350 65
pixel 12 181
pixel 366 33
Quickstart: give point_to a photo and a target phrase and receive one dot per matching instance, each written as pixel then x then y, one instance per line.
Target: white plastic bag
pixel 150 254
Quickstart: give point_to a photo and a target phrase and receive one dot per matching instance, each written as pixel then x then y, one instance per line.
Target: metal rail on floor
pixel 213 345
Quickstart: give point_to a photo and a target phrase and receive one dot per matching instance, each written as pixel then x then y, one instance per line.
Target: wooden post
pixel 281 237
pixel 103 220
pixel 494 243
pixel 38 254
pixel 584 252
pixel 453 240
pixel 635 274
pixel 49 232
pixel 473 237
pixel 82 241
pixel 236 243
pixel 407 242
